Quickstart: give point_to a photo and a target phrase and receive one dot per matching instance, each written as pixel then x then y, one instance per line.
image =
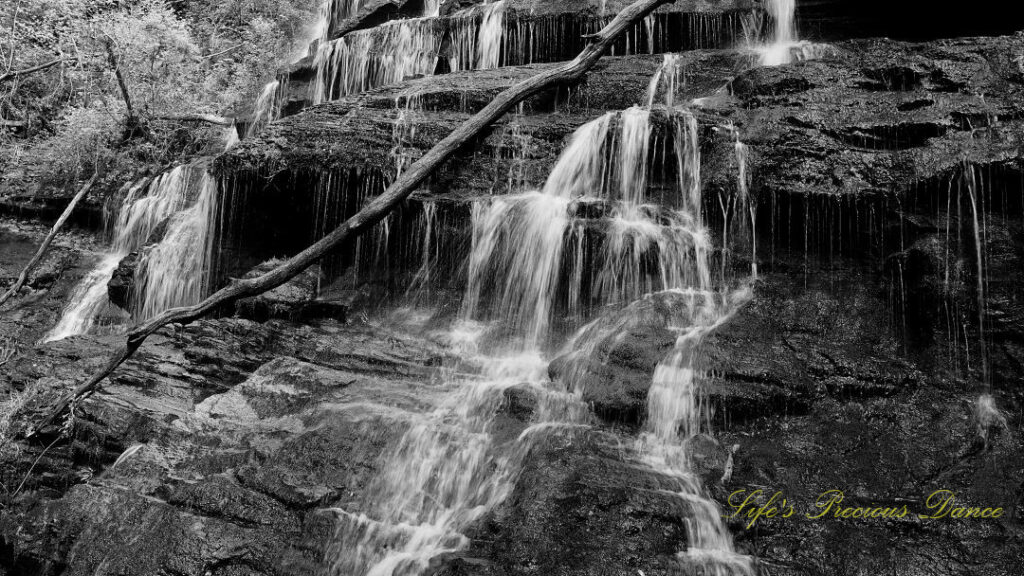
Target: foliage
pixel 176 58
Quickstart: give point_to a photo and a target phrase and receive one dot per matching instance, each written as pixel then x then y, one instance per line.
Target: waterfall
pixel 403 131
pixel 783 44
pixel 175 210
pixel 267 107
pixel 366 59
pixel 520 251
pixel 87 301
pixel 266 110
pixel 484 37
pixel 492 30
pixel 592 236
pixel 176 271
pixel 676 413
pixel 669 75
pixel 445 473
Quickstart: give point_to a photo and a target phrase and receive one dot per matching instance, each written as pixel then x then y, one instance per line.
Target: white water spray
pixel 175 269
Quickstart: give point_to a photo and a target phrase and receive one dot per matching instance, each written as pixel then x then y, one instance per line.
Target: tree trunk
pixel 112 59
pixel 378 208
pixel 48 240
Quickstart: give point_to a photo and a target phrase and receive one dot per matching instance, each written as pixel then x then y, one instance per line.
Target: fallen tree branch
pixel 374 212
pixel 208 118
pixel 10 75
pixel 48 240
pixel 222 52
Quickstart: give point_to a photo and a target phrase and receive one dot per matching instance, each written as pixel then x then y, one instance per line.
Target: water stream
pixel 170 223
pixel 542 273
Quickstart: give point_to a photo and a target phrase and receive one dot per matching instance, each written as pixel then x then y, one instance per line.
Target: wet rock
pixel 887 452
pixel 121 283
pixel 214 446
pixel 297 299
pixel 55 262
pixel 580 507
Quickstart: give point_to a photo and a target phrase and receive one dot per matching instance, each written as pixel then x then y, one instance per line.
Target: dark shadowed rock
pixel 296 299
pixel 121 283
pixel 216 446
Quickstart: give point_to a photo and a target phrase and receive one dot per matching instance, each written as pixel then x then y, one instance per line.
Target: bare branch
pixel 27 71
pixel 208 118
pixel 47 241
pixel 222 52
pixel 10 41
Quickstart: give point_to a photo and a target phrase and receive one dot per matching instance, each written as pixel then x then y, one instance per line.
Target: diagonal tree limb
pixel 207 118
pixel 9 75
pixel 48 240
pixel 373 213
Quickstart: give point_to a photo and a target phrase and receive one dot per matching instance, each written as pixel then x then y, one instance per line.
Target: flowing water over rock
pixel 170 224
pixel 176 271
pixel 783 44
pixel 613 306
pixel 87 301
pixel 527 249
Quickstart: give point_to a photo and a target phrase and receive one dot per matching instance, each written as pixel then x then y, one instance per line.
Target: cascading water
pixel 527 250
pixel 266 110
pixel 174 271
pixel 492 30
pixel 87 301
pixel 400 49
pixel 783 44
pixel 444 474
pixel 379 56
pixel 483 37
pixel 267 107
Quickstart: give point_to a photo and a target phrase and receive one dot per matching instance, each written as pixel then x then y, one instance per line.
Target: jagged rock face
pixel 217 447
pixel 123 281
pixel 906 20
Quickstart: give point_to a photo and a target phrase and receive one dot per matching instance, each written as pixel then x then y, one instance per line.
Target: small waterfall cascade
pixel 366 59
pixel 677 414
pixel 176 271
pixel 669 77
pixel 492 30
pixel 534 257
pixel 477 37
pixel 783 44
pixel 178 207
pixel 266 109
pixel 87 301
pixel 445 473
pixel 743 189
pixel 486 36
pixel 400 49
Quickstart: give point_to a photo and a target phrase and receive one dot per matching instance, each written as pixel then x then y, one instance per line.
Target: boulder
pixel 122 282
